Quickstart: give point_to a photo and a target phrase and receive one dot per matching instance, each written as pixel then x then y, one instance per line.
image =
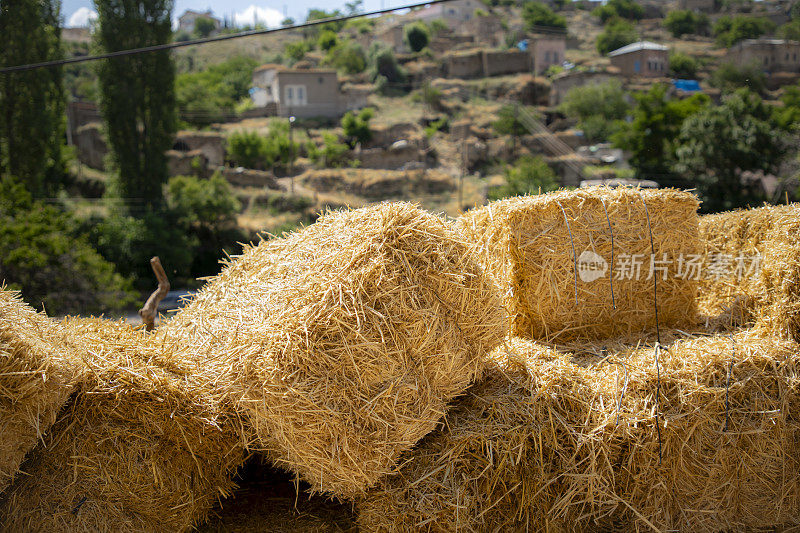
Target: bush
pixel 203 26
pixel 327 40
pixel 626 9
pixel 729 77
pixel 45 257
pixel 529 175
pixel 356 125
pixel 206 211
pixel 251 150
pixel 182 37
pixel 384 63
pixel 204 97
pixel 416 36
pixel 332 153
pixel 348 57
pixel 437 26
pixel 536 14
pixel 682 65
pixel 297 50
pixel 616 34
pixel 683 21
pixel 598 108
pixel 731 30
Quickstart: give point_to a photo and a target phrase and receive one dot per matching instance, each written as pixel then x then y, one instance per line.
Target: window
pixel 637 66
pixel 555 57
pixel 547 56
pixel 295 95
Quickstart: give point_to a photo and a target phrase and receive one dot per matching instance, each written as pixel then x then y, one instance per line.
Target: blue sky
pixel 243 9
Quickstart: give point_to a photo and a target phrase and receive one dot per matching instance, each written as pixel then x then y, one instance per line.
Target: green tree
pixel 652 135
pixel 384 64
pixel 729 78
pixel 50 262
pixel 356 125
pixel 332 153
pixel 598 108
pixel 617 33
pixel 137 94
pixel 206 210
pixel 731 30
pixel 788 115
pixel 32 102
pixel 537 14
pixel 508 123
pixel 297 50
pixel 529 175
pixel 205 96
pixel 437 26
pixel 684 22
pixel 682 65
pixel 717 144
pixel 203 26
pixel 626 9
pixel 417 36
pixel 348 57
pixel 327 40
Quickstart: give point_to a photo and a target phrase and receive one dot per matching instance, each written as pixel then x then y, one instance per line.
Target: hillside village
pixel 431 133
pixel 450 105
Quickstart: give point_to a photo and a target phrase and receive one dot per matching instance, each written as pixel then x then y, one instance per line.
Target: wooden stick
pixel 150 310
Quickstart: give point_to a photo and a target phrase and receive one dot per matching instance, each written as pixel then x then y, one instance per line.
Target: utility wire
pixel 194 42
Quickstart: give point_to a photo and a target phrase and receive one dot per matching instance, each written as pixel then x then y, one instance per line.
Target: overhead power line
pixel 195 42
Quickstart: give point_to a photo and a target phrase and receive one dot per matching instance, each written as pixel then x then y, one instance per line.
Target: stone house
pixel 480 63
pixel 771 55
pixel 486 30
pixel 643 59
pixel 547 50
pixel 187 21
pixel 304 93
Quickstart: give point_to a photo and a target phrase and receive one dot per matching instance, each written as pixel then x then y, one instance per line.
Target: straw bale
pixel 37 375
pixel 136 449
pixel 526 243
pixel 758 279
pixel 343 343
pixel 541 445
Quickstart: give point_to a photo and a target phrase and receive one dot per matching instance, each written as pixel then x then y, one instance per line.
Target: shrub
pixel 529 175
pixel 297 50
pixel 682 65
pixel 731 30
pixel 247 149
pixel 598 108
pixel 46 258
pixel 683 21
pixel 616 34
pixel 347 56
pixel 332 153
pixel 437 26
pixel 626 9
pixel 327 40
pixel 356 125
pixel 384 63
pixel 536 14
pixel 203 26
pixel 416 36
pixel 729 77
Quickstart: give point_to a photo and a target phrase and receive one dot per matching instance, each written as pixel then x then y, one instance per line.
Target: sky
pixel 79 12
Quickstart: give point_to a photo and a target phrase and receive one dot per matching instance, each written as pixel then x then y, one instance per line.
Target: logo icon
pixel 591 266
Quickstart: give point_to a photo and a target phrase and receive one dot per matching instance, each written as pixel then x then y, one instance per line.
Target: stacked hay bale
pixel 137 449
pixel 38 371
pixel 342 344
pixel 754 276
pixel 546 444
pixel 578 263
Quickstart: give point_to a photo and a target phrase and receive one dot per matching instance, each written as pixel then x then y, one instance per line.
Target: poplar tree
pixel 137 95
pixel 32 118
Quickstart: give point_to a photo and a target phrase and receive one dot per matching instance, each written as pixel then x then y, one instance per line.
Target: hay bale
pixel 541 445
pixel 343 343
pixel 37 375
pixel 137 449
pixel 543 249
pixel 756 277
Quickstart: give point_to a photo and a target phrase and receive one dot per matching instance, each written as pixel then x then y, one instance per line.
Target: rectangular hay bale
pixel 542 250
pixel 342 344
pixel 756 273
pixel 548 443
pixel 138 448
pixel 38 372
